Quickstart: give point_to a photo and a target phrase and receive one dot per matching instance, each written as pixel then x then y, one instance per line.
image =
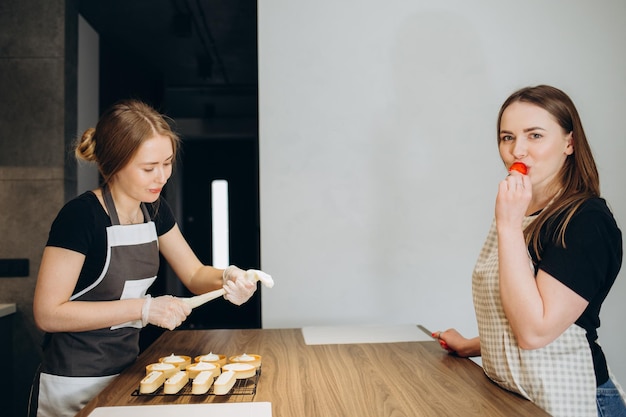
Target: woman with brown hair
pixel 553 252
pixel 102 255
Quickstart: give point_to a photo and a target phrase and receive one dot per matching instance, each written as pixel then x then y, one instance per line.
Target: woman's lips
pixel 155 190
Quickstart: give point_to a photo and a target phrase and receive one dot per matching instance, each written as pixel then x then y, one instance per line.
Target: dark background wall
pixel 37 105
pixel 211 92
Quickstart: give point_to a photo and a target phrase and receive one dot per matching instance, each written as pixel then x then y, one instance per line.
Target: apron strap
pixel 146 215
pixel 110 205
pixel 108 202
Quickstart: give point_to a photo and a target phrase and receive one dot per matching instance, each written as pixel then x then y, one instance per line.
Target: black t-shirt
pixel 588 264
pixel 81 226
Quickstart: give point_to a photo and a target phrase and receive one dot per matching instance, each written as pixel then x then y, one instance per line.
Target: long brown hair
pixel 119 133
pixel 578 179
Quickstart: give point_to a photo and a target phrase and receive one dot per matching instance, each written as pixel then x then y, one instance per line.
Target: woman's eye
pixel 506 138
pixel 149 169
pixel 536 135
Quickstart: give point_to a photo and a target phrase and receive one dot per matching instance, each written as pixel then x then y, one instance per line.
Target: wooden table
pixel 383 379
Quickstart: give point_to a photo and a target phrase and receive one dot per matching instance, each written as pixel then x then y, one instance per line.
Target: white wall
pixel 379 165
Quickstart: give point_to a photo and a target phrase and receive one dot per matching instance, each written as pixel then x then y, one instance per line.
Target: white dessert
pixel 179 360
pixel 209 357
pixel 247 358
pixel 241 370
pixel 168 369
pixel 175 383
pixel 212 358
pixel 194 369
pixel 151 382
pixel 224 383
pixel 202 382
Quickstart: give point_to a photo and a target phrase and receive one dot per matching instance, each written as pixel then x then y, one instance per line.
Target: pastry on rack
pixel 181 361
pixel 241 370
pixel 168 369
pixel 175 383
pixel 195 368
pixel 211 357
pixel 224 383
pixel 151 382
pixel 202 382
pixel 251 359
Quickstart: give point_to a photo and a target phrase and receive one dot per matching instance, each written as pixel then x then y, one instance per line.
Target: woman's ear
pixel 569 147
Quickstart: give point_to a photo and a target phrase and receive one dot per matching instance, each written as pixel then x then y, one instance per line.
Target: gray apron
pixel 78 365
pixel 559 377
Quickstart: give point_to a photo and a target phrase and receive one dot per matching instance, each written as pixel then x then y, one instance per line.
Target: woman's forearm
pixel 80 316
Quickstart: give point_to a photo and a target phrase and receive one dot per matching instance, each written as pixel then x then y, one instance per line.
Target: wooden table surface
pixel 382 379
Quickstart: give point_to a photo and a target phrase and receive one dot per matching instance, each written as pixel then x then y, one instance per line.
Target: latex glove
pixel 164 311
pixel 238 287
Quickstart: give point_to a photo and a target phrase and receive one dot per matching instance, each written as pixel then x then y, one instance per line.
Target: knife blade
pixel 437 338
pixel 425 330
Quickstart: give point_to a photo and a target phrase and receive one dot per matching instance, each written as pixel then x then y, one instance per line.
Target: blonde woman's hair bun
pixel 86 147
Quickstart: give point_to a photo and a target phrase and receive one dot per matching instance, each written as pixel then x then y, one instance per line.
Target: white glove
pixel 164 311
pixel 238 287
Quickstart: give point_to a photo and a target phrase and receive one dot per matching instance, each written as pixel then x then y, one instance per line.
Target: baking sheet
pixel 259 409
pixel 337 335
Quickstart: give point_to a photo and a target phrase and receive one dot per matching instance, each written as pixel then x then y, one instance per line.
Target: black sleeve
pixel 74 226
pixel 592 254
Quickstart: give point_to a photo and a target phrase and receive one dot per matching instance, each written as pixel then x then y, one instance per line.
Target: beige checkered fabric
pixel 559 378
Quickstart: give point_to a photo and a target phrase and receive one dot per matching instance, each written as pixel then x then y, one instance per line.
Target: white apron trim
pixel 135 288
pixel 61 396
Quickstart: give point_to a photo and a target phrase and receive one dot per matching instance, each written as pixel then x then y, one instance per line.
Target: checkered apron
pixel 559 377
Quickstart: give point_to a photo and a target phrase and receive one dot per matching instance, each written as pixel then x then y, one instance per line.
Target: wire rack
pixel 242 387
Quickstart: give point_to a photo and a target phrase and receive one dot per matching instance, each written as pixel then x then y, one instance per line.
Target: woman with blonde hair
pixel 102 256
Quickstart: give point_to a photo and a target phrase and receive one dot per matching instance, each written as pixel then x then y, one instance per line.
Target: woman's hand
pixel 165 311
pixel 514 196
pixel 238 288
pixel 452 341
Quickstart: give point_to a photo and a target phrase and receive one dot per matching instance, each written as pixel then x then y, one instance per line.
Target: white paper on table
pixel 244 409
pixel 337 335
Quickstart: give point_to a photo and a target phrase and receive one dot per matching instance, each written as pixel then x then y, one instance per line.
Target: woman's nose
pixel 520 149
pixel 161 175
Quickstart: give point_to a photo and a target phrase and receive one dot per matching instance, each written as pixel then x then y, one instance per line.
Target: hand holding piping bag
pixel 240 285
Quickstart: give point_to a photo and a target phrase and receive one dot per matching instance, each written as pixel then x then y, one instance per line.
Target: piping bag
pixel 253 275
